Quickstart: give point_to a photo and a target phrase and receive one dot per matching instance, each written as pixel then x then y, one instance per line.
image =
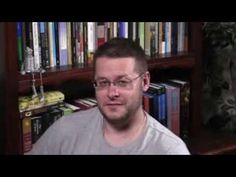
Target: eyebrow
pixel 118 77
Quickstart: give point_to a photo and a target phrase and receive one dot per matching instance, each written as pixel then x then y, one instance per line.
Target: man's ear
pixel 146 81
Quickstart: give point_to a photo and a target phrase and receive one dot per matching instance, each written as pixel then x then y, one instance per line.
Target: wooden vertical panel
pixel 12 138
pixel 195 46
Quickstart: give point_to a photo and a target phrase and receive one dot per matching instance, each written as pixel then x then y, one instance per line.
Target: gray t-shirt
pixel 81 133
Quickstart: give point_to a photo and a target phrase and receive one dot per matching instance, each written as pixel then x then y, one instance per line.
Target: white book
pixel 36 47
pixel 180 37
pixel 85 101
pixel 179 81
pixel 73 107
pixel 91 37
pixel 63 49
pixel 167 37
pixel 52 45
pixel 114 29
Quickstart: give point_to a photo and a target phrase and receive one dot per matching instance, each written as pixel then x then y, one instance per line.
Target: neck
pixel 128 133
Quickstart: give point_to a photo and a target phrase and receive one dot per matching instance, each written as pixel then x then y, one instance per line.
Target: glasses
pixel 123 83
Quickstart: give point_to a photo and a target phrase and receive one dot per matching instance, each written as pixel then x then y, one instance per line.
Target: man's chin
pixel 115 119
pixel 113 113
pixel 113 116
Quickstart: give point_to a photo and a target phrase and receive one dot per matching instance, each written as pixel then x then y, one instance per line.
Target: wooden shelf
pixel 208 142
pixel 55 76
pixel 182 60
pixel 58 75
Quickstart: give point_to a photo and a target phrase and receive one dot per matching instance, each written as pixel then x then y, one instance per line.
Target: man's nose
pixel 113 90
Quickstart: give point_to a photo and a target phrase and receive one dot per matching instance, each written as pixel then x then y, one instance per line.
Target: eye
pixel 103 83
pixel 122 83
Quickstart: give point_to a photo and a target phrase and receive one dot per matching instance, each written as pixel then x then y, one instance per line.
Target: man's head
pixel 121 48
pixel 120 77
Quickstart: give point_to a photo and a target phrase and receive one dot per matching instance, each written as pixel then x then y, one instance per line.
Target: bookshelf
pixel 14 84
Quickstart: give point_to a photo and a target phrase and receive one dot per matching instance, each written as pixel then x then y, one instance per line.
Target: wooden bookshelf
pixel 209 142
pixel 83 73
pixel 13 84
pixel 183 61
pixel 63 73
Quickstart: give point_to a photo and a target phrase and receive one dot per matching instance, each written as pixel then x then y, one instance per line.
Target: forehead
pixel 106 65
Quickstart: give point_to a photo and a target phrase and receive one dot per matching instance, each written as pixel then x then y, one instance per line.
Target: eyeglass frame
pixel 116 83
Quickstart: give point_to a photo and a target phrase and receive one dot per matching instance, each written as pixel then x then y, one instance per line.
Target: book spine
pixel 91 29
pixel 69 42
pixel 167 37
pixel 147 38
pixel 36 46
pixel 82 43
pixel 175 111
pixel 180 37
pixel 100 33
pixel 49 118
pixel 41 110
pixel 62 31
pixel 20 48
pixel 173 108
pixel 36 128
pixel 57 47
pixel 184 106
pixel 43 31
pixel 52 44
pixel 160 41
pixel 26 134
pixel 141 34
pixel 174 31
pixel 186 34
pixel 153 40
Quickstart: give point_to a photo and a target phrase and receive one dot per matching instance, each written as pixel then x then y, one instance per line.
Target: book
pixel 148 103
pixel 168 36
pixel 174 33
pixel 91 42
pixel 72 107
pixel 26 134
pixel 155 93
pixel 100 33
pixel 184 87
pixel 147 38
pixel 44 44
pixel 20 48
pixel 63 49
pixel 41 121
pixel 36 127
pixel 85 103
pixel 173 108
pixel 52 44
pixel 27 103
pixel 36 47
pixel 50 117
pixel 57 46
pixel 161 102
pixel 66 110
pixel 40 110
pixel 69 42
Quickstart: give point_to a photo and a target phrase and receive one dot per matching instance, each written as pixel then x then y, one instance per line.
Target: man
pixel 119 125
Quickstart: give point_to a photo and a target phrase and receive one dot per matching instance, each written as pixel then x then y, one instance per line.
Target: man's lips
pixel 113 104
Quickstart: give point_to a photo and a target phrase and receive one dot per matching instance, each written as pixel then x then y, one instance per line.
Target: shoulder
pixel 165 139
pixel 86 118
pixel 64 134
pixel 160 130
